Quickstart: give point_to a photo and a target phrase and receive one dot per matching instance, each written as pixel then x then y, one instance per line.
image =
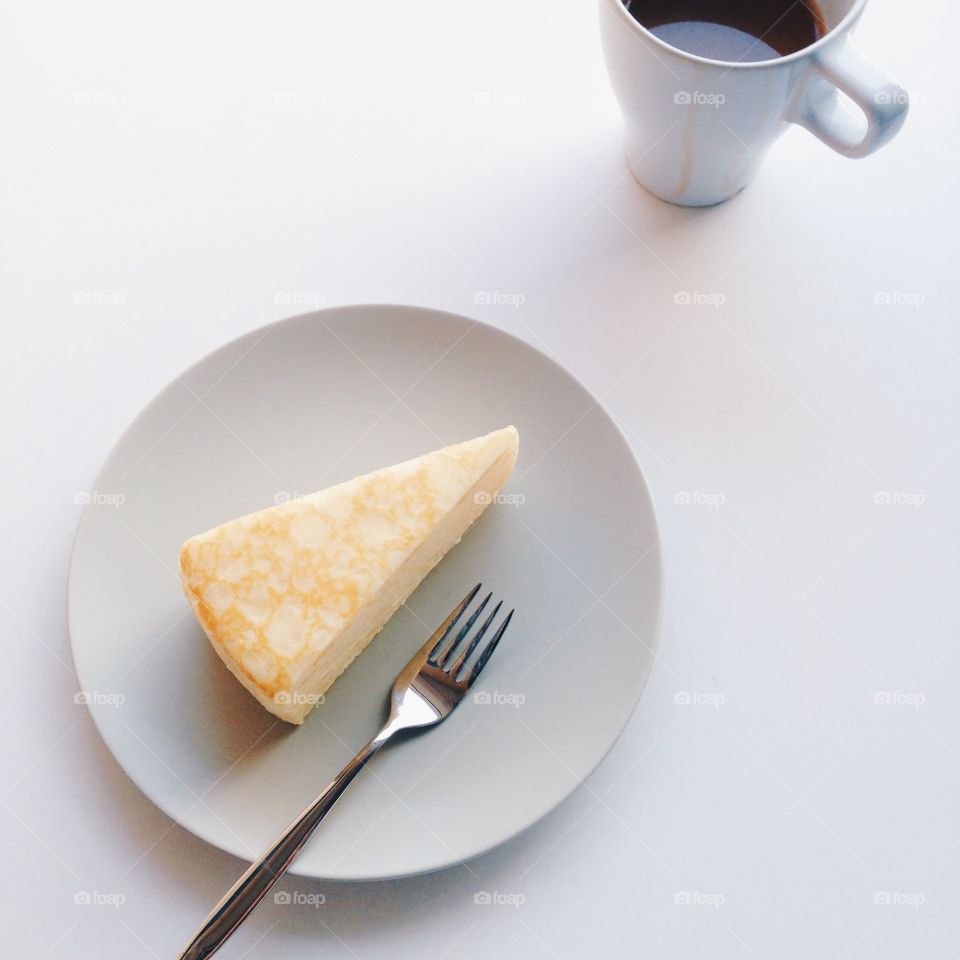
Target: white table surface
pixel 173 176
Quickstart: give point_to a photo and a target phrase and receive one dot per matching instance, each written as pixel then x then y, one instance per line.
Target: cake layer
pixel 290 595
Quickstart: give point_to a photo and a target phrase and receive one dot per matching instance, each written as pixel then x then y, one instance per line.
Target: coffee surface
pixel 732 30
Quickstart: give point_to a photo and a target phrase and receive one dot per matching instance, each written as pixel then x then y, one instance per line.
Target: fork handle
pixel 240 900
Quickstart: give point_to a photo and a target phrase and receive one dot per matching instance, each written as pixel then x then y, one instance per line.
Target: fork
pixel 425 692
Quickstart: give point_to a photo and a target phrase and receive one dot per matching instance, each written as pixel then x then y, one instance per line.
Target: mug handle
pixel 843 66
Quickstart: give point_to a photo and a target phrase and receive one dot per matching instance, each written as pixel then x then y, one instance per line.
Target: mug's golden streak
pixel 290 595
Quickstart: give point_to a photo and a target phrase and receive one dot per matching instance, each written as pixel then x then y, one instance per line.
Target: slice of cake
pixel 290 595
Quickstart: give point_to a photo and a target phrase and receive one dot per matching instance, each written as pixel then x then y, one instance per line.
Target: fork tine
pixel 488 650
pixel 465 656
pixel 461 633
pixel 444 630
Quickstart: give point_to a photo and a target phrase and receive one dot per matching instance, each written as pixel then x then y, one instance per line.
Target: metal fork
pixel 425 692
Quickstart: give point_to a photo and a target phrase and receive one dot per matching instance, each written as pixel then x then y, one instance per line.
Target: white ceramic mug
pixel 697 129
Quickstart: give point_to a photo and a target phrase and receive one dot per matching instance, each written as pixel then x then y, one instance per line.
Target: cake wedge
pixel 290 595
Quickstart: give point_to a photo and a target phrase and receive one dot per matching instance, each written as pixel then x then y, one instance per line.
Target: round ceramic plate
pixel 298 406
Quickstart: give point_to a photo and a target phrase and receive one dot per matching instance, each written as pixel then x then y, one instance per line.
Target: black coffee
pixel 732 30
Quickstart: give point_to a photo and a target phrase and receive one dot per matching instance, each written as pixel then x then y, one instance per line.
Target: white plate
pixel 295 407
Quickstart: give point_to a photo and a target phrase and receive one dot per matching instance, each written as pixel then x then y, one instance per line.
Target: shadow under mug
pixel 697 129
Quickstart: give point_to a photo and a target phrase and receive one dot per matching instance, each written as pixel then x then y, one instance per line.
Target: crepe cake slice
pixel 290 595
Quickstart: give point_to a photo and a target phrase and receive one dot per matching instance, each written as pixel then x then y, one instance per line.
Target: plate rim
pixel 655 550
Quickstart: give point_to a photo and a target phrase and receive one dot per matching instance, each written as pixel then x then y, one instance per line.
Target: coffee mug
pixel 697 129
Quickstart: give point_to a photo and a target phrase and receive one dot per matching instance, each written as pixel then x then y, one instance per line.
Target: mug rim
pixel 846 21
